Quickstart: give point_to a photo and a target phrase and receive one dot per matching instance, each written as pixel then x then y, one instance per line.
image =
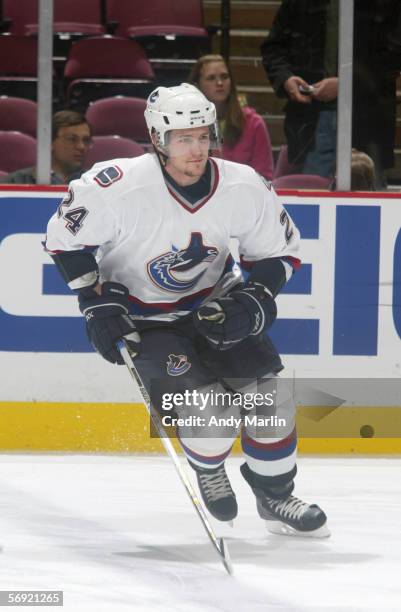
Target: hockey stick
pixel 218 544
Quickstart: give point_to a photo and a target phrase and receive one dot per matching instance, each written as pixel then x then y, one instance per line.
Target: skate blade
pixel 280 528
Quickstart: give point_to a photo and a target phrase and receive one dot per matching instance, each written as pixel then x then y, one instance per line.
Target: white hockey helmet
pixel 180 107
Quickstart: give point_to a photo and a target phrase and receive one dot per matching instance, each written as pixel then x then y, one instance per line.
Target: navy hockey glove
pixel 107 321
pixel 228 320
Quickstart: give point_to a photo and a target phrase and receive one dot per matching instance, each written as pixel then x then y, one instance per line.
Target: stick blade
pixel 225 556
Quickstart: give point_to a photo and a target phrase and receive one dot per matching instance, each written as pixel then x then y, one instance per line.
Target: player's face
pixel 187 151
pixel 70 148
pixel 215 82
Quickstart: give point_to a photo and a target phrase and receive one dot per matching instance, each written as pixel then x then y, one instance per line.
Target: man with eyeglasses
pixel 71 139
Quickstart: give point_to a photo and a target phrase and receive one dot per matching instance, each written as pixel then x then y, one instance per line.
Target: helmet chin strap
pixel 161 156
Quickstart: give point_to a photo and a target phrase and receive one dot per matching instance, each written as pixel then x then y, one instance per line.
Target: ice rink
pixel 118 534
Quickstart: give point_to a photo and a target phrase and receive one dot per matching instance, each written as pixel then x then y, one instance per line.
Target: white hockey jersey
pixel 170 254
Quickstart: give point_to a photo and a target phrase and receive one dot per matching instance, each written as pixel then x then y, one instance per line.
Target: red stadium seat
pixel 105 66
pixel 18 56
pixel 302 181
pixel 283 167
pixel 18 114
pixel 119 115
pixel 111 147
pixel 166 28
pixel 181 17
pixel 19 14
pixel 81 17
pixel 18 66
pixel 17 151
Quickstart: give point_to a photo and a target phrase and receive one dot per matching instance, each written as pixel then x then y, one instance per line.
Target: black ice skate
pixel 217 493
pixel 285 514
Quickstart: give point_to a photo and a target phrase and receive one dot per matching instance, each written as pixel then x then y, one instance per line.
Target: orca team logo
pixel 108 176
pixel 172 271
pixel 177 365
pixel 154 96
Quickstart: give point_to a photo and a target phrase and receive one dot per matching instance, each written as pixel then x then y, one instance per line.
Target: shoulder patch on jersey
pixel 108 176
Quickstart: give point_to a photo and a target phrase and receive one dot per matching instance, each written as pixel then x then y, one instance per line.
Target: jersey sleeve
pixel 269 241
pixel 84 218
pixel 263 227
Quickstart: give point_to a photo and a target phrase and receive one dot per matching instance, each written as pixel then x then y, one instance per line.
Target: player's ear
pixel 154 139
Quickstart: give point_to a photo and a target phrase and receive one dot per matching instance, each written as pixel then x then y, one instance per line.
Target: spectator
pixel 363 176
pixel 71 139
pixel 245 136
pixel 377 64
pixel 301 50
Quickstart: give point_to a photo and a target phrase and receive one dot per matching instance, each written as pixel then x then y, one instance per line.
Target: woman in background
pixel 245 136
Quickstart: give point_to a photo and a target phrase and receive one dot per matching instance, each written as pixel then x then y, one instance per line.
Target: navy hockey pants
pixel 201 390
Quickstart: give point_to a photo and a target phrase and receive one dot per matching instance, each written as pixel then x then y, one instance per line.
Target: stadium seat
pixel 18 114
pixel 18 66
pixel 167 29
pixel 119 115
pixel 75 17
pixel 283 167
pixel 18 14
pixel 302 181
pixel 17 151
pixel 104 66
pixel 111 147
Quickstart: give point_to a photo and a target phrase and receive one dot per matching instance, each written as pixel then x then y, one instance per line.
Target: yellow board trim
pixel 124 428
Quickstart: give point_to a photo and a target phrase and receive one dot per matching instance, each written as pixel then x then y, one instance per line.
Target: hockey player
pixel 145 243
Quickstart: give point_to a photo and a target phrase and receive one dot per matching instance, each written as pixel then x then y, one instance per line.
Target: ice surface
pixel 118 534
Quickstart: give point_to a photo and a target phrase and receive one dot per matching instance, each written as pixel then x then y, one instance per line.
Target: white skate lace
pixel 291 508
pixel 215 485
